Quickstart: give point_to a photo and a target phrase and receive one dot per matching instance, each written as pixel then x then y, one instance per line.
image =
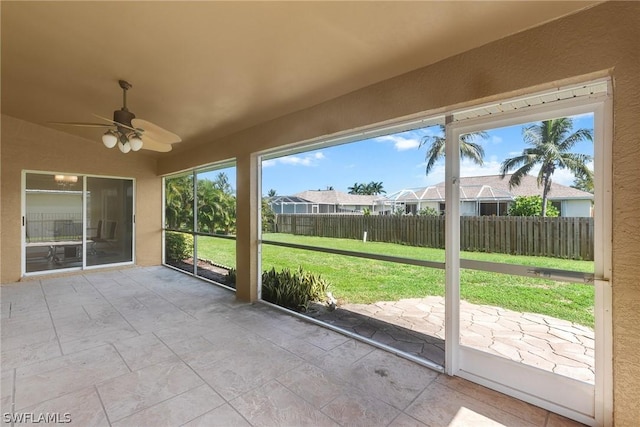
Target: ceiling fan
pixel 128 132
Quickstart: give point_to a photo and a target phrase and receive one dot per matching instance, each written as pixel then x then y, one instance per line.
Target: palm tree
pixel 376 188
pixel 551 142
pixel 272 193
pixel 356 188
pixel 468 148
pixel 179 202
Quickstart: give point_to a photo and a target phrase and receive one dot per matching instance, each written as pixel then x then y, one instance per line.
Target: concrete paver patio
pixel 416 326
pixel 152 346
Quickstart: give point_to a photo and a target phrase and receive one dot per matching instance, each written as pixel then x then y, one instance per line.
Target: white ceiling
pixel 207 69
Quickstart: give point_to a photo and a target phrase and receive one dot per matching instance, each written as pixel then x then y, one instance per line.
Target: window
pixel 200 221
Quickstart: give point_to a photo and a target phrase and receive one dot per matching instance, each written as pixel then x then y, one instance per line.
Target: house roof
pixel 334 197
pixel 490 187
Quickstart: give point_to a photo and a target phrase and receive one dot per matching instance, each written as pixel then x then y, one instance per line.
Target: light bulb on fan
pixel 109 139
pixel 135 142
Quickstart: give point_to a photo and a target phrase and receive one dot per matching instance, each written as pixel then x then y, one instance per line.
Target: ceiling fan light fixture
pixel 125 147
pixel 110 139
pixel 135 142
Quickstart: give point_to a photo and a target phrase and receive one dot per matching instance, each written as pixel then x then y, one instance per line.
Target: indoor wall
pixel 28 146
pixel 599 42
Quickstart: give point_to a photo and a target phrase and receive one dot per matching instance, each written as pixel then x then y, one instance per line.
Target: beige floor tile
pixel 245 371
pixel 556 420
pixel 404 420
pixel 342 356
pixel 360 410
pixel 439 405
pixel 30 353
pixel 142 351
pixel 224 416
pixel 126 394
pixel 175 411
pixel 325 338
pixel 508 404
pixel 313 384
pixel 82 408
pixel 72 329
pixel 105 338
pixel 6 390
pixel 27 339
pixel 210 348
pixel 389 378
pixel 53 378
pixel 274 405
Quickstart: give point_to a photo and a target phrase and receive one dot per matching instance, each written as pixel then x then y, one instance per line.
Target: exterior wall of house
pixel 576 208
pixel 601 41
pixel 27 146
pixel 468 208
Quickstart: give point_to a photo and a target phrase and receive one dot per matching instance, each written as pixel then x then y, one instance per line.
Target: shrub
pixel 294 290
pixel 428 211
pixel 178 246
pixel 531 206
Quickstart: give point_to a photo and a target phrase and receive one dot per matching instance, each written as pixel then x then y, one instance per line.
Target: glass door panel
pixel 526 310
pixel 109 221
pixel 53 222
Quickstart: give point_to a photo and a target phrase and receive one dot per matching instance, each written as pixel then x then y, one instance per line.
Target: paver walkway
pixel 416 326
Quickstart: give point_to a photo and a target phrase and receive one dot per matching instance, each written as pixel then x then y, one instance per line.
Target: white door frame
pixel 581 401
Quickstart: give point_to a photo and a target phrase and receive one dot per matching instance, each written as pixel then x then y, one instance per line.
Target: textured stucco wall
pixel 27 146
pixel 601 41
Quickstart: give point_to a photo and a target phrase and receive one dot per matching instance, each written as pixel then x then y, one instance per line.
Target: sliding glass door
pixel 542 338
pixel 109 221
pixel 53 222
pixel 72 221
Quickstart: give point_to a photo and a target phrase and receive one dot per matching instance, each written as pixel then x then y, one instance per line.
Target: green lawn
pixel 360 280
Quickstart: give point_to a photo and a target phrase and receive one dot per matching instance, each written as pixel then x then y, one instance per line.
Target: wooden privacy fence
pixel 551 237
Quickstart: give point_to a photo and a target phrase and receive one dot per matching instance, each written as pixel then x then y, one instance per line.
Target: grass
pixel 358 280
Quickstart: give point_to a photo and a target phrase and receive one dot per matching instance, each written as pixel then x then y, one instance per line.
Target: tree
pixel 272 193
pixel 469 149
pixel 531 206
pixel 550 144
pixel 371 189
pixel 179 202
pixel 584 183
pixel 356 188
pixel 268 216
pixel 374 188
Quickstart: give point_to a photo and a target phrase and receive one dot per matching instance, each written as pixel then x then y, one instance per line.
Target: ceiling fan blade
pixel 153 145
pixel 155 132
pixel 80 124
pixel 118 124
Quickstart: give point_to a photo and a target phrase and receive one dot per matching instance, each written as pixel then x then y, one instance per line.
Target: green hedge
pixel 178 246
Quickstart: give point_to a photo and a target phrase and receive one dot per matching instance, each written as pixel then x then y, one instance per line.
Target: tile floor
pixel 155 347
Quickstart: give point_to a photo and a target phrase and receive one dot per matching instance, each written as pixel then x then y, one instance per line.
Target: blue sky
pixel 395 160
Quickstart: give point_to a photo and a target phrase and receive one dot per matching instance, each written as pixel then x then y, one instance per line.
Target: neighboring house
pixel 488 195
pixel 323 201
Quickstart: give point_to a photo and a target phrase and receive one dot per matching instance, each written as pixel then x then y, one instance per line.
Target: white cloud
pixel 468 168
pixel 304 160
pixel 400 143
pixel 496 139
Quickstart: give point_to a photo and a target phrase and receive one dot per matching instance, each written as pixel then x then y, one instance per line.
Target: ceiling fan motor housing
pixel 124 117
